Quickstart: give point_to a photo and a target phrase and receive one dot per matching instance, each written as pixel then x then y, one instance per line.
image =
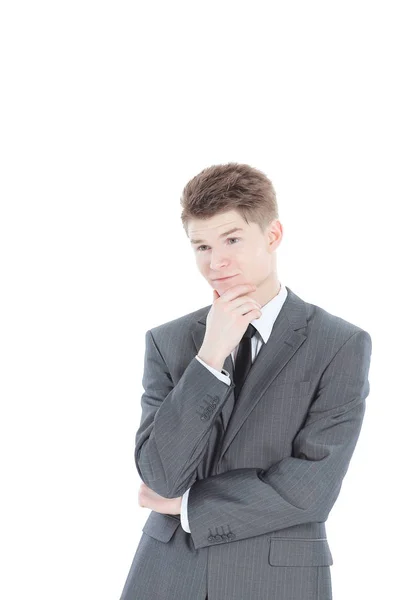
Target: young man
pixel 251 412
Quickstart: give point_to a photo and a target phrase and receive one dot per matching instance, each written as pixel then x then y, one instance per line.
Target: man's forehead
pixel 198 233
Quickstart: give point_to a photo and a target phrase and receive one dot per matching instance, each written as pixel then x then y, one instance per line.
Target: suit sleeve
pixel 300 488
pixel 225 377
pixel 176 421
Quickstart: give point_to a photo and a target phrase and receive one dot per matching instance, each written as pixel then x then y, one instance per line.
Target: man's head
pixel 223 197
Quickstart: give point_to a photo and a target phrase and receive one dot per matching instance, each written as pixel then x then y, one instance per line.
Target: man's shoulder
pixel 322 320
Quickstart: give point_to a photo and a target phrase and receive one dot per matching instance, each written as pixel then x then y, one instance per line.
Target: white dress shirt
pixel 264 326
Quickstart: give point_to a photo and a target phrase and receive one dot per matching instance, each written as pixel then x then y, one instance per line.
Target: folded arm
pixel 176 422
pixel 300 488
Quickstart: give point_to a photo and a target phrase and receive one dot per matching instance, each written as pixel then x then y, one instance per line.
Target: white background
pixel 107 110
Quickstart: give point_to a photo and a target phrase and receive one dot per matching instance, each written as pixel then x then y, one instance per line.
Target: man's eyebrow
pixel 221 236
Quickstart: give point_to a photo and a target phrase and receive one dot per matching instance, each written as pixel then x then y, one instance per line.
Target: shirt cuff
pixel 223 376
pixel 184 514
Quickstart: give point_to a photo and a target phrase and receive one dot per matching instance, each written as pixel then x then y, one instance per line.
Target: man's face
pixel 247 255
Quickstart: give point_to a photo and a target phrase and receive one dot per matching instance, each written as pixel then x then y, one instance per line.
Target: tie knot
pixel 250 331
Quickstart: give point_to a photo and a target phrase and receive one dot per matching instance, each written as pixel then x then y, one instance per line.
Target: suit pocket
pixel 292 552
pixel 160 526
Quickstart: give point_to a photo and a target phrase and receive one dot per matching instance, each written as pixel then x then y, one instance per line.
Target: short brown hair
pixel 231 186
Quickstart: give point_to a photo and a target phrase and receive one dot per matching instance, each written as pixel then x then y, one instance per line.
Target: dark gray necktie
pixel 242 367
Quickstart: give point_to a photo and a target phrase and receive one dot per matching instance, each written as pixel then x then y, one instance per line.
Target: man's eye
pixel 203 246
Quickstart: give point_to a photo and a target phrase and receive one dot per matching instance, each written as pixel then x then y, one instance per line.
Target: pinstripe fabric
pixel 261 490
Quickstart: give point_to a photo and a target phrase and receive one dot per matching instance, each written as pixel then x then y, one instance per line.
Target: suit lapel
pixel 284 341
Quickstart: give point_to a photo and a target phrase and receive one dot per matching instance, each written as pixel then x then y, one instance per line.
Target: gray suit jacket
pixel 262 489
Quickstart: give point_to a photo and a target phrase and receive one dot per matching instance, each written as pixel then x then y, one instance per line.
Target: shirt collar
pixel 270 311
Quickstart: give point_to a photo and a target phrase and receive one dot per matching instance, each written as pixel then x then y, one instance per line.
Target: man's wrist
pixel 212 361
pixel 178 506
